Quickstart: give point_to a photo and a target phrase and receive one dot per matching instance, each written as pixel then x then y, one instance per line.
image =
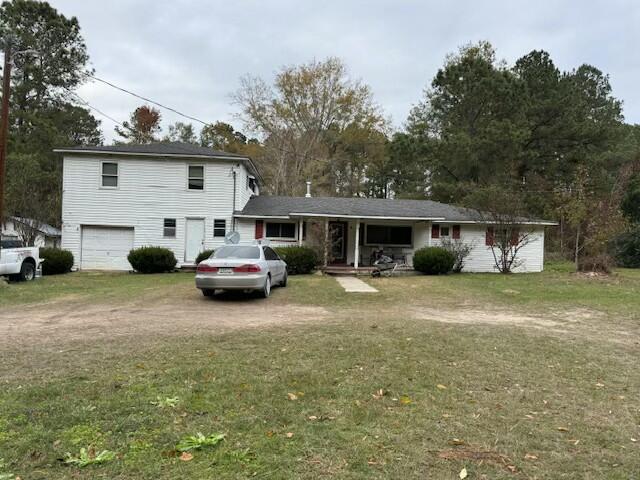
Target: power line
pixel 146 99
pixel 97 110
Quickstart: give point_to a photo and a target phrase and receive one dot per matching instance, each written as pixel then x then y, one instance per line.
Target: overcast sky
pixel 190 54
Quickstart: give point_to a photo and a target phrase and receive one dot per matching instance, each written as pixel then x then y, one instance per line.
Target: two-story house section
pixel 172 195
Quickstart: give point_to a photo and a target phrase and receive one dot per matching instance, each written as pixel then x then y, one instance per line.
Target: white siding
pixel 481 258
pixel 149 190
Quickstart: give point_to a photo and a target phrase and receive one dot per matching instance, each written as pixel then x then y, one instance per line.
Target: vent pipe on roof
pixel 308 195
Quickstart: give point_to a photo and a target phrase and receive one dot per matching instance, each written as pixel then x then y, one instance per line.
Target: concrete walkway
pixel 355 285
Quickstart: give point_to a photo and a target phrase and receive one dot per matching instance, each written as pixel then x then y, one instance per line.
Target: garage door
pixel 106 248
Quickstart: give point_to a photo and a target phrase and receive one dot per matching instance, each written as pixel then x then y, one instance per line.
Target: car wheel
pixel 266 289
pixel 283 283
pixel 207 292
pixel 27 272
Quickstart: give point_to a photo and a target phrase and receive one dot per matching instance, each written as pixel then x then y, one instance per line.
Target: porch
pixel 352 245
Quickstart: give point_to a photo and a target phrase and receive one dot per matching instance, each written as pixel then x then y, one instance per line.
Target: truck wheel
pixel 27 272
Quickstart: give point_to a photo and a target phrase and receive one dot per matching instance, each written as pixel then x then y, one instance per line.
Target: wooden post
pixel 356 260
pixel 326 242
pixel 300 230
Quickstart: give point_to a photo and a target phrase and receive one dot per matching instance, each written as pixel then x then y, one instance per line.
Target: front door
pixel 338 239
pixel 195 239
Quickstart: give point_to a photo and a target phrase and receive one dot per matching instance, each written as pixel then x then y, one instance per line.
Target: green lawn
pixel 376 392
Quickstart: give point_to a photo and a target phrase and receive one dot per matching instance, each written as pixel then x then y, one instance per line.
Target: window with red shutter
pixel 259 229
pixel 435 231
pixel 515 237
pixel 456 232
pixel 490 237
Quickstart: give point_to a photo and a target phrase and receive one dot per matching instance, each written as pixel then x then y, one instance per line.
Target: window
pixel 237 251
pixel 444 231
pixel 109 174
pixel 281 230
pixel 251 183
pixel 169 227
pixel 389 235
pixel 219 227
pixel 270 254
pixel 196 177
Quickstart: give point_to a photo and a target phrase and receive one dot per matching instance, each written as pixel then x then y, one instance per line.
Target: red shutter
pixel 490 237
pixel 515 237
pixel 259 229
pixel 435 231
pixel 456 232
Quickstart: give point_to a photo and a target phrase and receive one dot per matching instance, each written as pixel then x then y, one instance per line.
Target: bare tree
pixel 302 119
pixel 28 229
pixel 508 229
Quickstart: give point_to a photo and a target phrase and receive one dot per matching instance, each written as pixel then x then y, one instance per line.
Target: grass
pixel 380 394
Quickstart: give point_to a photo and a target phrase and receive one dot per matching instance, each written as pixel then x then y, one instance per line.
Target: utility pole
pixel 4 120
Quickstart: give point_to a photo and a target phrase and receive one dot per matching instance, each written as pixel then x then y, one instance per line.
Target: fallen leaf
pixel 404 400
pixel 442 387
pixel 634 440
pixel 289 434
pixel 529 456
pixel 269 434
pixel 563 429
pixel 313 417
pixel 463 473
pixel 186 457
pixel 512 468
pixel 457 441
pixel 292 396
pixel 379 394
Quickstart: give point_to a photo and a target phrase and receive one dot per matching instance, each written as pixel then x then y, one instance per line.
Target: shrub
pixel 596 263
pixel 626 249
pixel 56 261
pixel 203 255
pixel 459 250
pixel 299 259
pixel 152 259
pixel 433 260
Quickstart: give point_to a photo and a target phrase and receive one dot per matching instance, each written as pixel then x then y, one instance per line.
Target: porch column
pixel 356 259
pixel 326 242
pixel 300 229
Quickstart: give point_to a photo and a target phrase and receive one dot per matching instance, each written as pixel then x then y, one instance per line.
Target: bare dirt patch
pixel 583 323
pixel 191 314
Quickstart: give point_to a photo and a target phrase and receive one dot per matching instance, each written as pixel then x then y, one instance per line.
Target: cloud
pixel 190 54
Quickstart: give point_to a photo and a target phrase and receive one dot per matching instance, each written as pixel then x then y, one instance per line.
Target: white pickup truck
pixel 18 262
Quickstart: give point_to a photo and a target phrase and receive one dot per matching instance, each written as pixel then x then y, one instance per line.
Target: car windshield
pixel 237 251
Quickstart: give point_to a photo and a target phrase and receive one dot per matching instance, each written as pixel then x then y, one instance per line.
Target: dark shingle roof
pixel 358 207
pixel 163 149
pixel 266 206
pixel 171 148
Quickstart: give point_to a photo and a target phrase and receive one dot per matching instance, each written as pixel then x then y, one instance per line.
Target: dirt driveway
pixel 66 320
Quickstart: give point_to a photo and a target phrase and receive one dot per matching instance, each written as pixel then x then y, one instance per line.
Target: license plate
pixel 225 271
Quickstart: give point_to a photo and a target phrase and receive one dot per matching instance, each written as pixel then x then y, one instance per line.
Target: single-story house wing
pixel 358 228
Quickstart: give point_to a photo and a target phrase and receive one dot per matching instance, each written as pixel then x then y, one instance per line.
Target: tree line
pixel 526 137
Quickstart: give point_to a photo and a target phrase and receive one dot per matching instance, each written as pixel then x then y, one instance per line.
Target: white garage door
pixel 106 248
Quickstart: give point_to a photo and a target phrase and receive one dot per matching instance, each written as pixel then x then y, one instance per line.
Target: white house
pixel 30 231
pixel 186 198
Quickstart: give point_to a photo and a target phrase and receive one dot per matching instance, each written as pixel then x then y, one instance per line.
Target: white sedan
pixel 241 267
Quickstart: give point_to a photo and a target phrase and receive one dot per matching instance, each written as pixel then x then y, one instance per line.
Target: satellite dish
pixel 232 238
